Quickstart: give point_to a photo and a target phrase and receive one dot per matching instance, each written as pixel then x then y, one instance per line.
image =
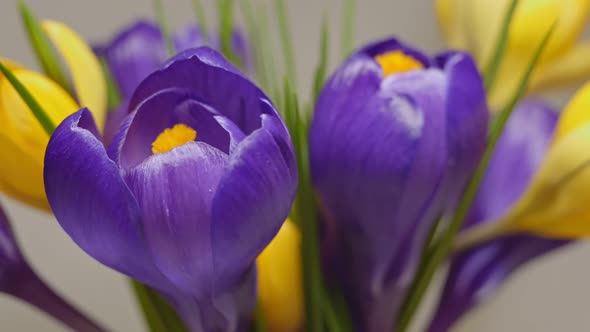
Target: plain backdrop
pixel 550 294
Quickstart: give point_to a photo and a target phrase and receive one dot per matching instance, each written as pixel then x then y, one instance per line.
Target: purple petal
pixel 164 110
pixel 175 192
pixel 475 274
pixel 93 204
pixel 467 119
pixel 253 199
pixel 134 54
pixel 12 263
pixel 213 80
pixel 377 158
pixel 115 119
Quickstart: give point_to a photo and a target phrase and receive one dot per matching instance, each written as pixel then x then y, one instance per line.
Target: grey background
pixel 551 294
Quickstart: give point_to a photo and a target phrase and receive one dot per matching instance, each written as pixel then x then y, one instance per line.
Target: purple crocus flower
pixel 18 279
pixel 195 184
pixel 139 49
pixel 475 274
pixel 394 138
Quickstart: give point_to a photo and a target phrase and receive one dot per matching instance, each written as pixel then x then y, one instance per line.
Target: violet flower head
pixel 474 275
pixel 394 138
pixel 139 49
pixel 193 187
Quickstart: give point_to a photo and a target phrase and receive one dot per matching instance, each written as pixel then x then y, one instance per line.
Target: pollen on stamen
pixel 395 62
pixel 173 137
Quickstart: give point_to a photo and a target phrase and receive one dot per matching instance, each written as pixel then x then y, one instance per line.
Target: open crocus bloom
pixel 194 186
pixel 394 138
pixel 22 137
pixel 475 25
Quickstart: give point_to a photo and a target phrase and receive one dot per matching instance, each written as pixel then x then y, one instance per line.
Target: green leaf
pixel 113 94
pixel 161 16
pixel 33 105
pixel 159 316
pixel 201 17
pixel 348 27
pixel 443 247
pixel 286 42
pixel 42 47
pixel 321 70
pixel 496 60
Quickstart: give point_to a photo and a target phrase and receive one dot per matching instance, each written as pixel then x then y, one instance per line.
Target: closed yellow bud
pixel 475 25
pixel 22 139
pixel 280 285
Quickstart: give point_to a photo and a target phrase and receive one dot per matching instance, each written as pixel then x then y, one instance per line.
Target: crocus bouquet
pixel 188 162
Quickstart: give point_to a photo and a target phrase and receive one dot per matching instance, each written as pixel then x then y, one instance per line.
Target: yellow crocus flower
pixel 474 25
pixel 22 139
pixel 557 203
pixel 280 285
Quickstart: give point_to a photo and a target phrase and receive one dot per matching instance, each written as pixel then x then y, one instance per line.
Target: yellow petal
pixel 450 20
pixel 280 288
pixel 23 139
pixel 557 204
pixel 482 23
pixel 21 174
pixel 575 114
pixel 84 69
pixel 572 67
pixel 534 18
pixel 483 19
pixel 55 101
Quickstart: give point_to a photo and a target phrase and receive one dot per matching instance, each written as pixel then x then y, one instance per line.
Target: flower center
pixel 395 62
pixel 170 138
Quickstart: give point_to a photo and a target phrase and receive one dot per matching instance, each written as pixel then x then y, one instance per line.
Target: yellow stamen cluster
pixel 395 62
pixel 173 137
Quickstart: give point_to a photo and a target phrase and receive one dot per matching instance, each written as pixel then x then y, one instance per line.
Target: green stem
pixel 444 246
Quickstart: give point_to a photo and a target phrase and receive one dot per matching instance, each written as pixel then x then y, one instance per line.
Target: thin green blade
pixel 33 105
pixel 286 40
pixel 42 47
pixel 321 70
pixel 496 60
pixel 348 27
pixel 226 13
